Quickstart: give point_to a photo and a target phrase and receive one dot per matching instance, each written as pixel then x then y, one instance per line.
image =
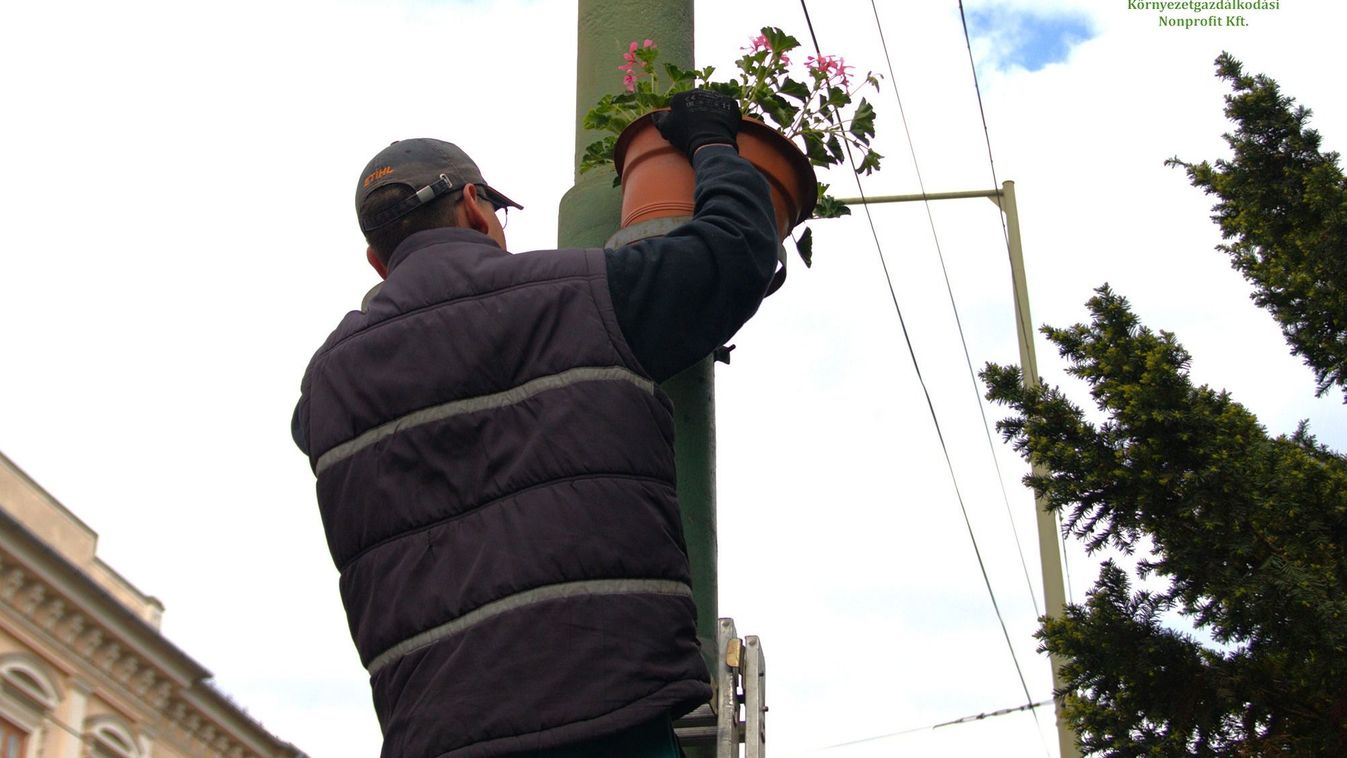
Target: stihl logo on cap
pixel 378 174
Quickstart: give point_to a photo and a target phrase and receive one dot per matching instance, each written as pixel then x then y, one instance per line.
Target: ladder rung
pixel 697 728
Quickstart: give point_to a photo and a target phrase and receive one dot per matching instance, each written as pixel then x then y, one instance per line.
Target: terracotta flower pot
pixel 657 179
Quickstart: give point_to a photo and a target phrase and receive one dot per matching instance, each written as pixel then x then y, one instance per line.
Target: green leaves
pixel 815 149
pixel 680 79
pixel 795 89
pixel 811 108
pixel 869 163
pixel 781 111
pixel 863 122
pixel 598 153
pixel 649 101
pixel 835 150
pixel 837 98
pixel 1243 534
pixel 827 206
pixel 729 89
pixel 1282 204
pixel 779 41
pixel 805 246
pixel 1155 702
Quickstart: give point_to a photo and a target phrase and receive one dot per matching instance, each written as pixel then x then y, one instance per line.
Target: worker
pixel 494 456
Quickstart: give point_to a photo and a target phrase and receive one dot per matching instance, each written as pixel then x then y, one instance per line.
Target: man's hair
pixel 436 214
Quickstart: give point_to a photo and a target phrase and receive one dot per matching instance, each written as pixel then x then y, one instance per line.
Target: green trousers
pixel 653 739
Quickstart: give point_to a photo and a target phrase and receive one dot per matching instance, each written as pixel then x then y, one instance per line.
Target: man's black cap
pixel 430 168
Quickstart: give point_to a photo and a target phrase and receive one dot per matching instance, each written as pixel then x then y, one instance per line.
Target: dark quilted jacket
pixel 501 505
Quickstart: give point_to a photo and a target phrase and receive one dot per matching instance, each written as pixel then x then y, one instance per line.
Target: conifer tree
pixel 1283 204
pixel 1241 534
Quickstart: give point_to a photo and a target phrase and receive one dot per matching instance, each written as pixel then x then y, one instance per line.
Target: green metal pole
pixel 590 211
pixel 589 215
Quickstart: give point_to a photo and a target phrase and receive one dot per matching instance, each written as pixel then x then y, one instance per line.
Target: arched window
pixel 26 679
pixel 26 696
pixel 110 737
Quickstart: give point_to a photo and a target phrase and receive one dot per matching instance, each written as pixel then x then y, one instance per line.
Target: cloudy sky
pixel 180 239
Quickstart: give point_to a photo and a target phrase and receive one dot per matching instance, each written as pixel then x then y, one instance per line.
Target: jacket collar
pixel 430 237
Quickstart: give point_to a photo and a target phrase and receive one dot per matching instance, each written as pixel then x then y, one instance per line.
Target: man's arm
pixel 298 432
pixel 681 296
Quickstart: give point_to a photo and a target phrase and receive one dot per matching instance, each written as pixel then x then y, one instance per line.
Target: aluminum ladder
pixel 737 713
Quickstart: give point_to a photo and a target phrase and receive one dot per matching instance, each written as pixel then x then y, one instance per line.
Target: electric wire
pixel 991 162
pixel 953 722
pixel 930 405
pixel 982 111
pixel 958 322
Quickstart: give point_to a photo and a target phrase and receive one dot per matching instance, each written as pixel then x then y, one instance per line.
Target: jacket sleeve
pixel 298 432
pixel 680 296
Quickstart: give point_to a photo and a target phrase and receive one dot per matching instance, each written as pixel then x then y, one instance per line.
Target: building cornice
pixel 60 529
pixel 58 602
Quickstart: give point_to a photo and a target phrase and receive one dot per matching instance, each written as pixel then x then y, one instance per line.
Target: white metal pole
pixel 1049 556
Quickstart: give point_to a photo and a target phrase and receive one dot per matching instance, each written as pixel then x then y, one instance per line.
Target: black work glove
pixel 698 118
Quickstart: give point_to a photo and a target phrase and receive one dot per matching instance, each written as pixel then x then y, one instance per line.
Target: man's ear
pixel 374 261
pixel 476 217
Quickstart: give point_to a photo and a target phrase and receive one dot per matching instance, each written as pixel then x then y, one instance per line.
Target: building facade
pixel 84 671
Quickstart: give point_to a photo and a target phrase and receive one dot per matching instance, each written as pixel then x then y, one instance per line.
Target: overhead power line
pixel 958 322
pixel 931 727
pixel 930 405
pixel 987 137
pixel 991 162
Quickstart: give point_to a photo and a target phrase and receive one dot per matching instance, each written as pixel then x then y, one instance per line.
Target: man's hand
pixel 699 118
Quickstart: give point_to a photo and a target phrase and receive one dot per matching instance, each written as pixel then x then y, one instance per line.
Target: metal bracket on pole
pixel 655 227
pixel 737 713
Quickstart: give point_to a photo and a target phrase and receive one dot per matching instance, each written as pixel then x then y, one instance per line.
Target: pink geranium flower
pixel 629 68
pixel 760 43
pixel 832 66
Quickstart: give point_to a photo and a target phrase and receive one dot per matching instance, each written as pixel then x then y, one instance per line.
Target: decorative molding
pixel 70 628
pixel 161 694
pixel 60 619
pixel 31 597
pixel 107 656
pixel 13 581
pixel 89 641
pixel 143 682
pixel 51 614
